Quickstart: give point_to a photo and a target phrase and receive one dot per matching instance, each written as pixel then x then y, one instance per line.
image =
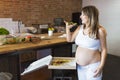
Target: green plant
pixel 3 31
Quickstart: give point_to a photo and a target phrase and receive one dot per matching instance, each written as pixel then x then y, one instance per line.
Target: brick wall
pixel 38 11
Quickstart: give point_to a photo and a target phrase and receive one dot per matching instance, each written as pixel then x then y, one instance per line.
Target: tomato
pixel 29 36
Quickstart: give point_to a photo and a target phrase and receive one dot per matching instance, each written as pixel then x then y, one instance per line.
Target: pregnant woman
pixel 92 48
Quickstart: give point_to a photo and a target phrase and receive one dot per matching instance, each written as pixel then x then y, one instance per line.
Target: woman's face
pixel 84 18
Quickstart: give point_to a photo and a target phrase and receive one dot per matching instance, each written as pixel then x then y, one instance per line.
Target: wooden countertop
pixel 47 41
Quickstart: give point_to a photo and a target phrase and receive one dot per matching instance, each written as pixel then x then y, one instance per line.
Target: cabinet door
pixel 28 55
pixel 9 64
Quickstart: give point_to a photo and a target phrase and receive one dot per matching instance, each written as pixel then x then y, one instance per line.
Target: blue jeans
pixel 87 72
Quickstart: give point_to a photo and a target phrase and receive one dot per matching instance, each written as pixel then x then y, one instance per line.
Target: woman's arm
pixel 71 35
pixel 102 35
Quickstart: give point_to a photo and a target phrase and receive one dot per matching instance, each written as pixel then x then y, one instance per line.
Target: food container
pixel 62 63
pixel 52 63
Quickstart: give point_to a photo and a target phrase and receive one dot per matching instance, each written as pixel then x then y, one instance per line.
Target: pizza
pixel 57 62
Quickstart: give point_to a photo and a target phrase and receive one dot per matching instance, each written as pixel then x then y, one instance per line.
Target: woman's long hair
pixel 93 14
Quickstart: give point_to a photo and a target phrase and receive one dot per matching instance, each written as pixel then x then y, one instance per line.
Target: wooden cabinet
pixel 28 56
pixel 62 50
pixel 9 63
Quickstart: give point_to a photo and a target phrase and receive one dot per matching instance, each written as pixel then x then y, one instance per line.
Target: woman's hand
pixel 69 25
pixel 98 72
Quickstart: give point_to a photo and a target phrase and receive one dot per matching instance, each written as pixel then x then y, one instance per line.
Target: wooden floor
pixel 111 71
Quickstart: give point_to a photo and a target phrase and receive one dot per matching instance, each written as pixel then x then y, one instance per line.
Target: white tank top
pixel 86 42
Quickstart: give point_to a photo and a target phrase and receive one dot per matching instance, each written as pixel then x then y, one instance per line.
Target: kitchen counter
pixel 10 53
pixel 44 42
